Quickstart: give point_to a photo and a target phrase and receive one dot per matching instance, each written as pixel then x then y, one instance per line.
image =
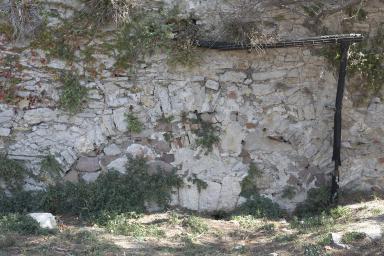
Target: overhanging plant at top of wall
pixel 149 31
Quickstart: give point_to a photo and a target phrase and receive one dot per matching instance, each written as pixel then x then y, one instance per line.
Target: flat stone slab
pixel 45 220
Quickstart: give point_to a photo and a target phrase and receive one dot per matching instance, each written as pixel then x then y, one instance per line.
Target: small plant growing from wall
pixel 51 167
pixel 23 19
pixel 147 32
pixel 207 133
pixel 73 95
pixel 289 192
pixel 200 184
pixel 248 185
pixel 133 123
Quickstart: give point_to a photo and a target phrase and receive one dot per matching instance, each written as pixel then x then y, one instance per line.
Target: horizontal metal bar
pixel 312 41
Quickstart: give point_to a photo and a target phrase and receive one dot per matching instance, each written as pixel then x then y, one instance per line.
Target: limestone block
pixel 232 76
pixel 5 132
pixel 35 116
pixel 88 164
pixel 90 176
pixel 118 164
pixel 112 150
pixel 212 85
pixel 45 220
pixel 140 151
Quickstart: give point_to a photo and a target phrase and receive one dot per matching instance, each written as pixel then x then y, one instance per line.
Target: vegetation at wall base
pixel 111 193
pixel 22 224
pixel 12 173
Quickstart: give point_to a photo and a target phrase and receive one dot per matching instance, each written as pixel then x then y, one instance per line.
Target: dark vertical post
pixel 344 46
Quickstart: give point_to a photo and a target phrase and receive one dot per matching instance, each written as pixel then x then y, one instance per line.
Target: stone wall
pixel 273 109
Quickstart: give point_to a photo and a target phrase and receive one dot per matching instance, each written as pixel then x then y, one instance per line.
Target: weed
pixel 268 228
pixel 341 213
pixel 325 240
pixel 313 250
pixel 21 224
pixel 122 224
pixel 133 123
pixel 86 243
pixel 285 238
pixel 353 236
pixel 73 95
pixel 12 173
pixel 144 34
pixel 196 225
pixel 376 211
pixel 174 218
pixel 184 51
pixel 247 221
pixel 207 134
pixel 308 224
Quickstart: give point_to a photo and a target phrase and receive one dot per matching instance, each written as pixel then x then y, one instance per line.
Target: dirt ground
pixel 177 233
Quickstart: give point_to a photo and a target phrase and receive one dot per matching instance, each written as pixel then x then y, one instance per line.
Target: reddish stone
pixel 232 95
pixel 250 125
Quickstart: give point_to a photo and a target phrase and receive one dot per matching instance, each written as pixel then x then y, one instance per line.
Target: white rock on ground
pixel 45 220
pixel 336 239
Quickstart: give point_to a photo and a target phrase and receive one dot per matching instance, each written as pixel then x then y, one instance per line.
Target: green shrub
pixel 21 201
pixel 73 94
pixel 365 62
pixel 207 134
pixel 317 202
pixel 12 173
pixel 21 224
pixel 260 207
pixel 112 192
pixel 248 184
pixel 51 167
pixel 133 123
